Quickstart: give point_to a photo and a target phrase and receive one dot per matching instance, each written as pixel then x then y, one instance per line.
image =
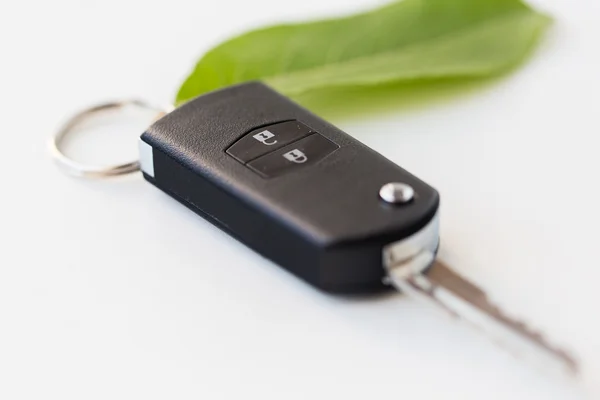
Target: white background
pixel 111 290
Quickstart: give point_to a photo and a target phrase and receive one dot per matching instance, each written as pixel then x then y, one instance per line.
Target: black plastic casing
pixel 323 222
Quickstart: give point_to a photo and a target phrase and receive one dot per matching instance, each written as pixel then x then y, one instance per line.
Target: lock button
pixel 264 140
pixel 303 152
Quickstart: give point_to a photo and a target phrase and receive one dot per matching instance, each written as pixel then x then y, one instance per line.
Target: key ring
pixel 82 170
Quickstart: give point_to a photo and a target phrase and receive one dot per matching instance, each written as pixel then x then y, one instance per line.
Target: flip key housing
pixel 308 203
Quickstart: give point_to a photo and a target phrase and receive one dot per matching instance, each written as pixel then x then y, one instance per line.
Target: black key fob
pixel 287 184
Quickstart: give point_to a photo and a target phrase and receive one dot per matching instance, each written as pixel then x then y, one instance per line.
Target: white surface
pixel 111 290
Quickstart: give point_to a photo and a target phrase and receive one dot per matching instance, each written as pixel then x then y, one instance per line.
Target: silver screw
pixel 397 193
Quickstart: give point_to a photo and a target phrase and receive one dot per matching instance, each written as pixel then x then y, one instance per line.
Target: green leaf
pixel 402 43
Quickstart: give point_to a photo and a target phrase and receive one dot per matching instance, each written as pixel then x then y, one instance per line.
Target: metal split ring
pixel 79 169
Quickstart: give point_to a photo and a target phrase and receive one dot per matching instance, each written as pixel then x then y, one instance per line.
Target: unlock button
pixel 293 156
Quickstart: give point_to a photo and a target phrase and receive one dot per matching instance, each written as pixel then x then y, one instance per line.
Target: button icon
pixel 264 136
pixel 296 156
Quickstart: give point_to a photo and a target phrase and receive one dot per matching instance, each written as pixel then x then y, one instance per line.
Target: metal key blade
pixel 464 300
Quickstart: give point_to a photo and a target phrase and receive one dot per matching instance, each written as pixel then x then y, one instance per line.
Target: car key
pixel 317 202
